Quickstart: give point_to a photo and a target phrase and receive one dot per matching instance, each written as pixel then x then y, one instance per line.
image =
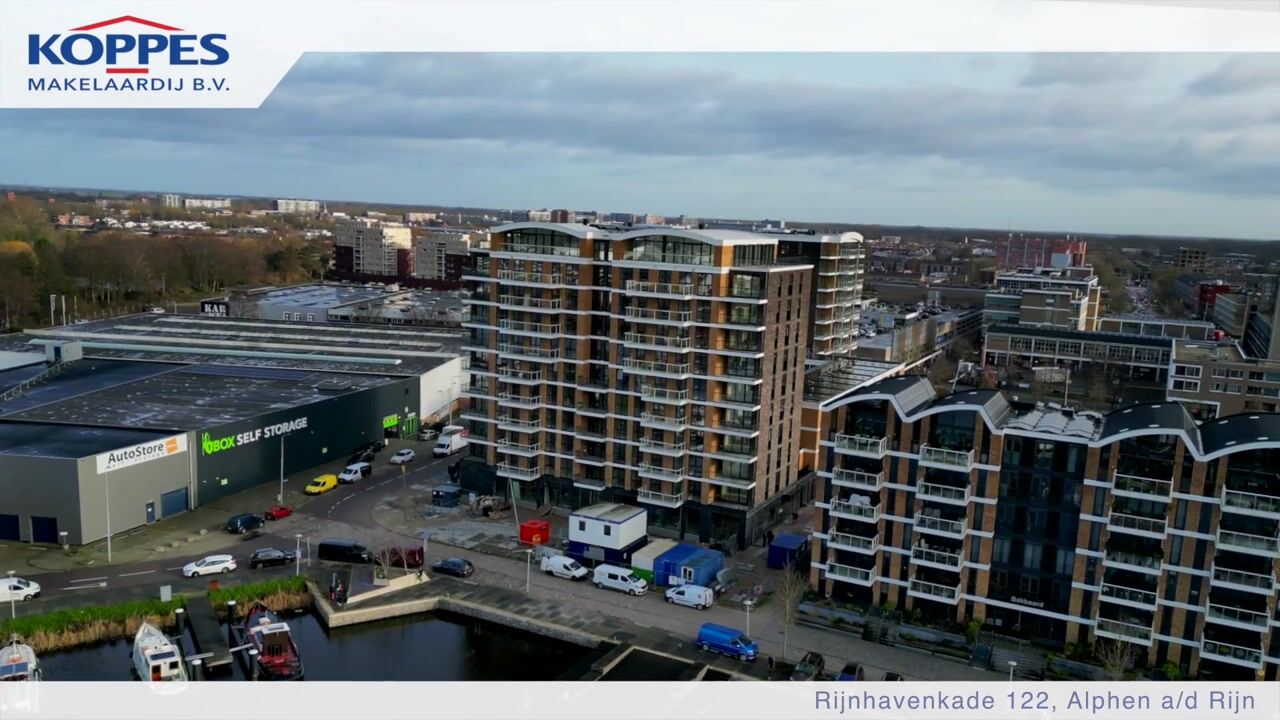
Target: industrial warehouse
pixel 110 425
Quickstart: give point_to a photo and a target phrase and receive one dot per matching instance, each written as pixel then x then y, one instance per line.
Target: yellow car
pixel 322 484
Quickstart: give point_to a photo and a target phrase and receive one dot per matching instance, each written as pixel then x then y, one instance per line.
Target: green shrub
pixel 971 631
pixel 69 628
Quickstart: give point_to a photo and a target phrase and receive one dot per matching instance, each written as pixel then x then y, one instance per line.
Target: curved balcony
pixel 653 497
pixel 1231 654
pixel 936 558
pixel 949 594
pixel 1252 504
pixel 858 480
pixel 517 473
pixel 946 459
pixel 943 493
pixel 852 543
pixel 1127 632
pixel 855 511
pixel 861 446
pixel 850 574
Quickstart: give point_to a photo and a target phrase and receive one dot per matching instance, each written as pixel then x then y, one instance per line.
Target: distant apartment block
pixel 301 207
pixel 836 290
pixel 1199 295
pixel 193 203
pixel 1157 327
pixel 171 200
pixel 539 216
pixel 372 247
pixel 1025 252
pixel 1231 313
pixel 440 255
pixel 660 367
pixel 1192 259
pixel 1217 379
pixel 1135 356
pixel 420 218
pixel 1069 298
pixel 1140 527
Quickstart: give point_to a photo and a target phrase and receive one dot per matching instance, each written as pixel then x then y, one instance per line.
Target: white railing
pixel 657 366
pixel 1238 500
pixel 652 392
pixel 861 445
pixel 507 374
pixel 936 557
pixel 1236 615
pixel 1234 654
pixel 656 472
pixel 1123 630
pixel 1242 578
pixel 858 479
pixel 675 422
pixel 1143 486
pixel 1146 562
pixel 658 288
pixel 848 573
pixel 852 543
pixel 643 313
pixel 657 498
pixel 528 301
pixel 511 446
pixel 517 400
pixel 537 278
pixel 1137 522
pixel 943 493
pixel 1247 542
pixel 519 422
pixel 928 523
pixel 1127 594
pixel 526 326
pixel 960 459
pixel 934 591
pixel 539 352
pixel 673 341
pixel 661 446
pixel 854 511
pixel 517 473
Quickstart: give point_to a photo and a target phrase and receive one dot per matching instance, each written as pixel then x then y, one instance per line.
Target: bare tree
pixel 1116 657
pixel 791 590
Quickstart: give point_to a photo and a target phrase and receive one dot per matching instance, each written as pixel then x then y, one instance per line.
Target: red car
pixel 275 512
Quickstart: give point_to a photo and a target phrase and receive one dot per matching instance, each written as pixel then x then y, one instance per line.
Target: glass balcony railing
pixel 852 543
pixel 1233 654
pixel 945 458
pixel 528 301
pixel 675 423
pixel 858 479
pixel 936 557
pixel 643 313
pixel 861 445
pixel 1242 580
pixel 1118 630
pixel 1137 523
pixel 949 528
pixel 943 493
pixel 1134 560
pixel 1129 595
pixel 663 341
pixel 545 328
pixel 1237 616
pixel 662 446
pixel 657 498
pixel 1247 503
pixel 528 350
pixel 855 511
pixel 655 472
pixel 520 423
pixel 849 574
pixel 657 288
pixel 520 376
pixel 1143 487
pixel 517 448
pixel 1248 543
pixel 656 366
pixel 517 473
pixel 934 591
pixel 651 393
pixel 533 278
pixel 521 401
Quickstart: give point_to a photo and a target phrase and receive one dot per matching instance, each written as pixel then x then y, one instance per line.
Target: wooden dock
pixel 206 634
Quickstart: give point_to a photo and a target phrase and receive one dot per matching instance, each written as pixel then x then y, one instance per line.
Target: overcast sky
pixel 1184 145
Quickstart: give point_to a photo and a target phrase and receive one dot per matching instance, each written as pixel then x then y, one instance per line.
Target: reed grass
pixel 63 629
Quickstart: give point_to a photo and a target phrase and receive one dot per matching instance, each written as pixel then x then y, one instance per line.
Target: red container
pixel 535 532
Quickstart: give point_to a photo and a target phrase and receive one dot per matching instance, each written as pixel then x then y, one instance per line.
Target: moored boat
pixel 278 657
pixel 18 662
pixel 155 657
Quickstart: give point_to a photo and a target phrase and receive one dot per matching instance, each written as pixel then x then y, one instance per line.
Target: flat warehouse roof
pixel 67 441
pixel 80 377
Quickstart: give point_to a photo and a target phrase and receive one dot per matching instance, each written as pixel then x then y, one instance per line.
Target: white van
pixel 617 578
pixel 452 439
pixel 563 566
pixel 694 596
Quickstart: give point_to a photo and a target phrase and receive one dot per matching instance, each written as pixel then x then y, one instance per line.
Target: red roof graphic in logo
pixel 126 19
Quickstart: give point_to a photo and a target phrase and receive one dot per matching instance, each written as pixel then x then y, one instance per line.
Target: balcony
pixel 933 557
pixel 850 574
pixel 943 493
pixel 530 302
pixel 529 278
pixel 507 422
pixel 666 316
pixel 597 409
pixel 858 480
pixel 1143 599
pixel 1243 581
pixel 520 401
pixel 661 446
pixel 1133 561
pixel 656 498
pixel 1128 632
pixel 1247 543
pixel 1253 504
pixel 655 472
pixel 662 342
pixel 1142 488
pixel 1138 525
pixel 512 447
pixel 1237 617
pixel 522 377
pixel 657 367
pixel 949 594
pixel 517 473
pixel 1231 654
pixel 653 393
pixel 945 459
pixel 656 288
pixel 953 529
pixel 855 511
pixel 528 351
pixel 540 328
pixel 852 543
pixel 728 481
pixel 674 423
pixel 861 445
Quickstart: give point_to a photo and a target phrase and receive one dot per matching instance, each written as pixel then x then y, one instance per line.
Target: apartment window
pixel 1065 562
pixel 1000 550
pixel 1187 385
pixel 1031 556
pixel 1191 371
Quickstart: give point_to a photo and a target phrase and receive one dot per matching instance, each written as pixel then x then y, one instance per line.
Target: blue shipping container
pixel 687 565
pixel 787 550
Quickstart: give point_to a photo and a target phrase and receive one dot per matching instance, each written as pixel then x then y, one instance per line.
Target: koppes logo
pixel 119 55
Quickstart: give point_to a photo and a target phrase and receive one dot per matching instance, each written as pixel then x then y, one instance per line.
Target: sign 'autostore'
pixel 210 445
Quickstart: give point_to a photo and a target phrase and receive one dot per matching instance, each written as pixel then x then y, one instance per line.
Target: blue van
pixel 727 641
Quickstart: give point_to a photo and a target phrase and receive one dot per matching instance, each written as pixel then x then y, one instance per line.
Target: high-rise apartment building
pixel 655 366
pixel 1069 298
pixel 1192 259
pixel 1024 252
pixel 171 200
pixel 372 247
pixel 836 293
pixel 440 255
pixel 193 203
pixel 1139 527
pixel 303 207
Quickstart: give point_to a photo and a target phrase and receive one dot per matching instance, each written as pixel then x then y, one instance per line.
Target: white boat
pixel 18 662
pixel 155 658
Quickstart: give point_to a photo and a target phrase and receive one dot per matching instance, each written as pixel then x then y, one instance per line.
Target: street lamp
pixel 62 540
pixel 282 468
pixel 1013 665
pixel 13 593
pixel 297 554
pixel 528 567
pixel 106 492
pixel 748 605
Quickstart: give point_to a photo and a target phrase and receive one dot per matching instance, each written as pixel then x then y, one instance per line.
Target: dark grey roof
pixel 1081 335
pixel 990 400
pixel 913 392
pixel 80 377
pixel 1233 430
pixel 1165 416
pixel 67 441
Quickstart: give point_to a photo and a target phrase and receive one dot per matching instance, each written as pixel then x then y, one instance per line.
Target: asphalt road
pixel 353 504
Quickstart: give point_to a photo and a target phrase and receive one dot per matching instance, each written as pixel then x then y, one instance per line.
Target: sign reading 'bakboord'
pixel 210 445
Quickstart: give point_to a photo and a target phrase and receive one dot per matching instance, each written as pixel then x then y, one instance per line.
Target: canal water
pixel 424 647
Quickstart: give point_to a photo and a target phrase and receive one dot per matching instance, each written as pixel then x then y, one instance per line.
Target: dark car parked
pixel 361 456
pixel 270 557
pixel 401 557
pixel 456 567
pixel 373 446
pixel 343 551
pixel 891 675
pixel 851 671
pixel 244 522
pixel 809 667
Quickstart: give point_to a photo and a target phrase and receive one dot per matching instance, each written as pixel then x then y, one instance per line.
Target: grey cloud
pixel 1238 75
pixel 1087 68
